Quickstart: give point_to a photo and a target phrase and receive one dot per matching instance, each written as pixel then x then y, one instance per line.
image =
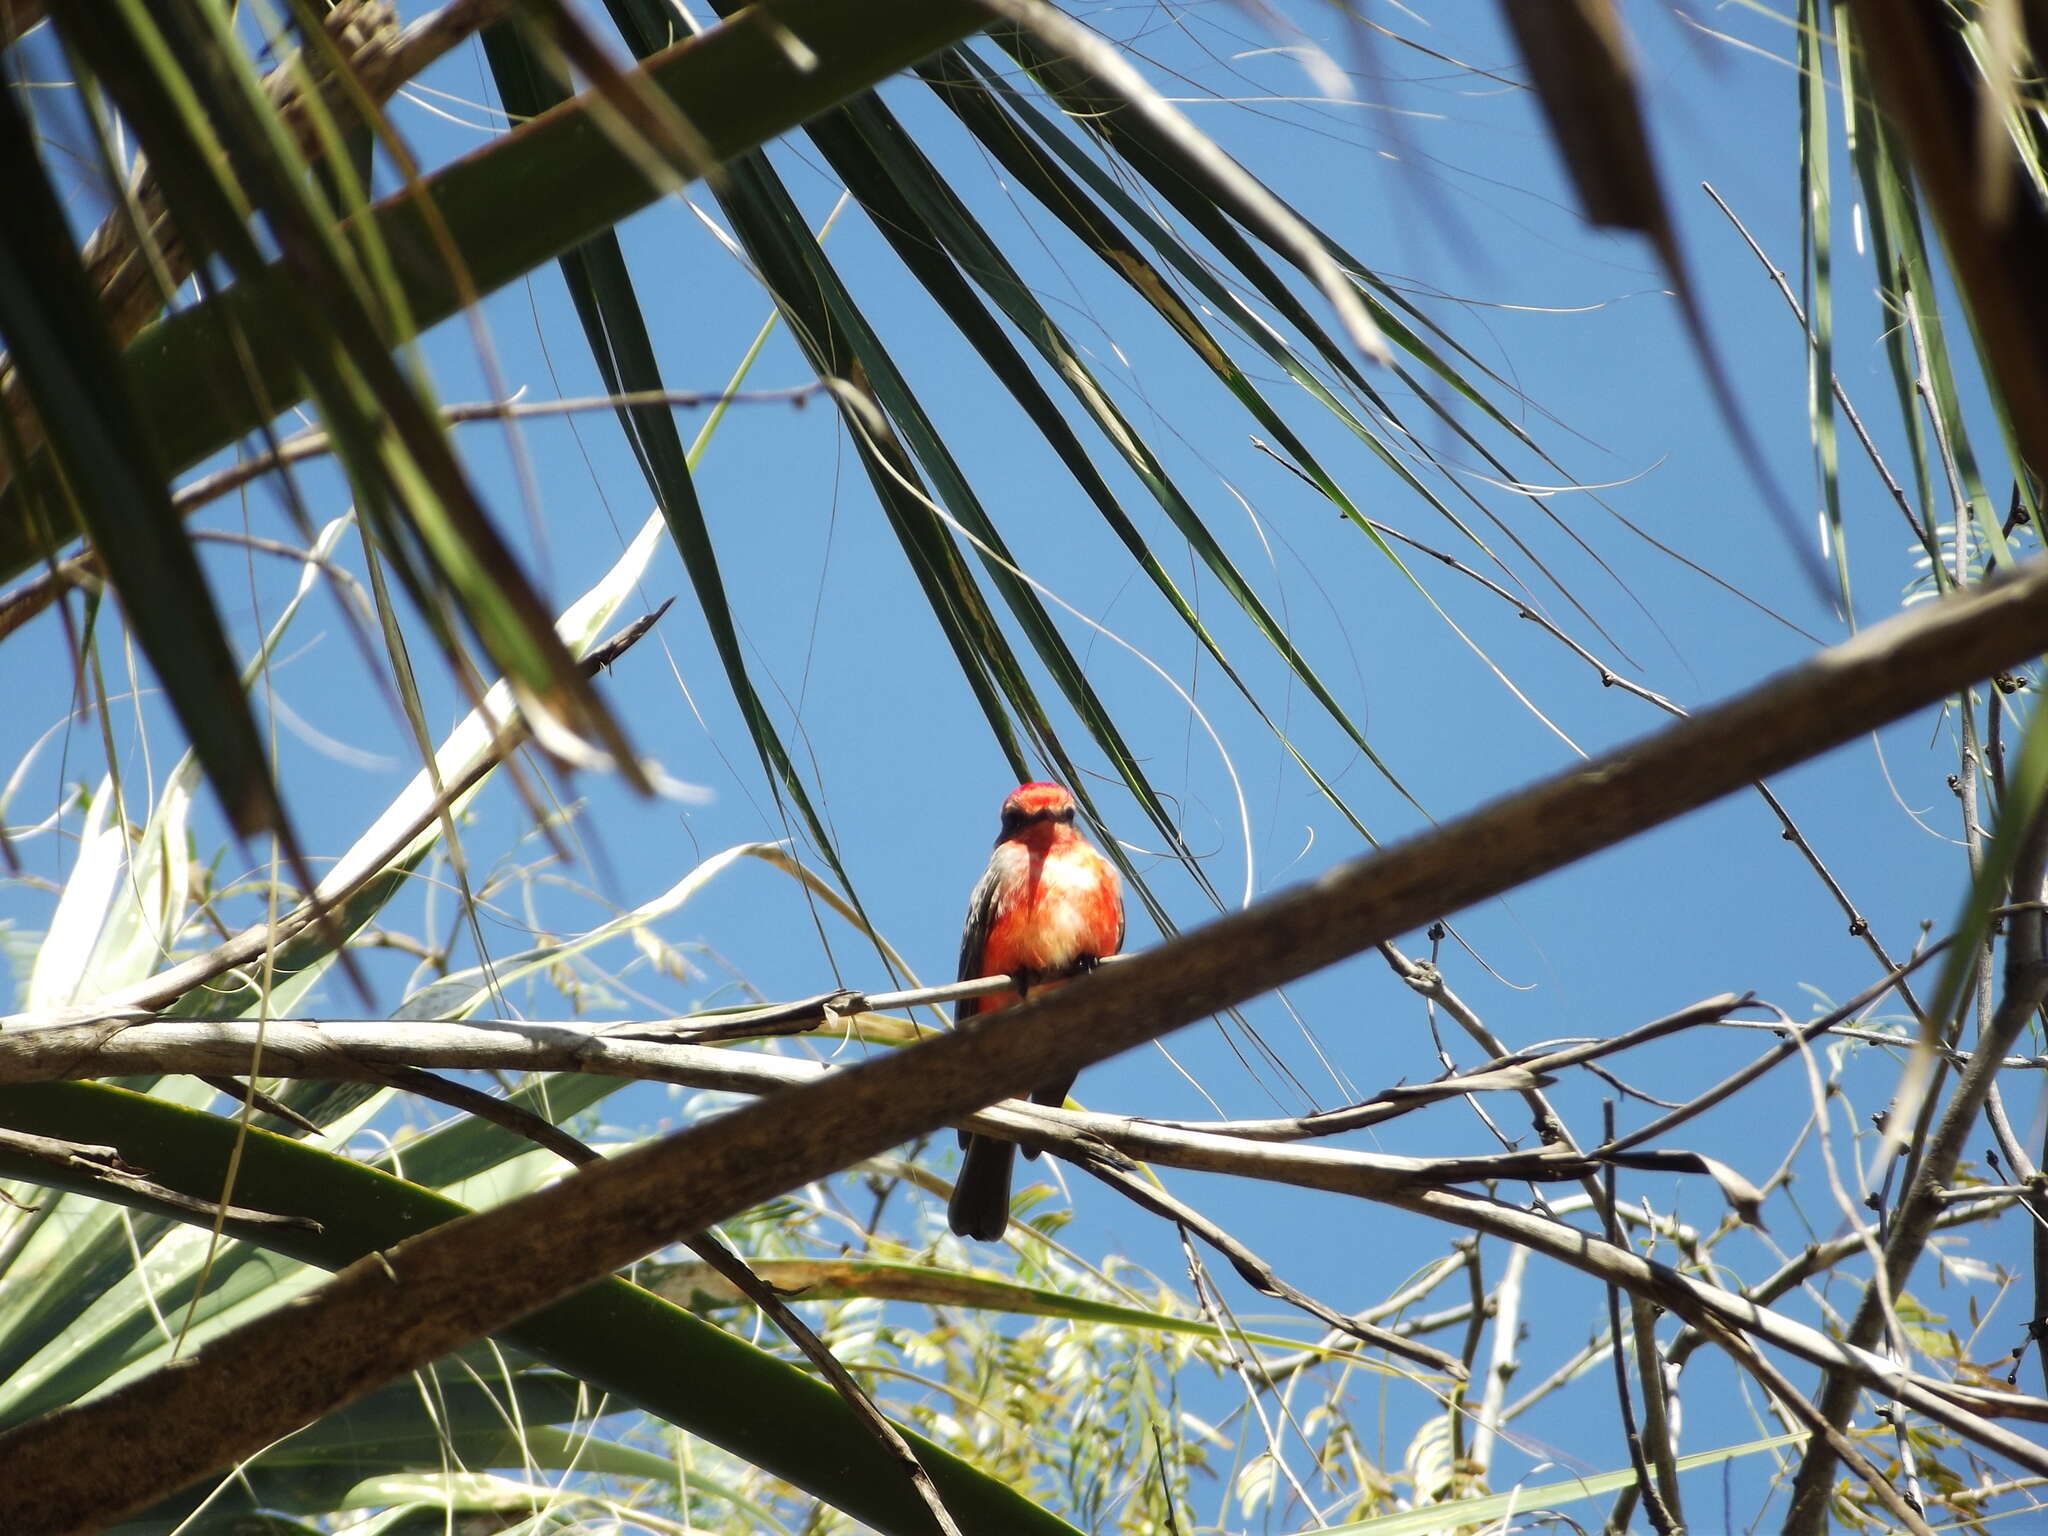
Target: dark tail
pixel 980 1206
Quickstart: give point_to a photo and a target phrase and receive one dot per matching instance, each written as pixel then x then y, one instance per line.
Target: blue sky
pixel 1443 182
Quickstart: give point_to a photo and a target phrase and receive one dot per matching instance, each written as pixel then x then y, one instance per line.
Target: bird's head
pixel 1032 804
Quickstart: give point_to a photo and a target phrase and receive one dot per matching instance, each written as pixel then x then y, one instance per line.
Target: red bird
pixel 1048 906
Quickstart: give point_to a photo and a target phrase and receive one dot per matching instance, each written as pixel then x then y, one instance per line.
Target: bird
pixel 1048 907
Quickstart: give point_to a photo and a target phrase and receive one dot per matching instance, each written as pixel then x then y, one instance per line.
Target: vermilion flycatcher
pixel 1048 906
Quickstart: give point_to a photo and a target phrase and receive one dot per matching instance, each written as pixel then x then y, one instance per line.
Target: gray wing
pixel 981 918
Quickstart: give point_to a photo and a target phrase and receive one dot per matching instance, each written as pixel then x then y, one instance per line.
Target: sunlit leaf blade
pixel 615 1336
pixel 697 1286
pixel 107 473
pixel 1816 213
pixel 62 972
pixel 1916 345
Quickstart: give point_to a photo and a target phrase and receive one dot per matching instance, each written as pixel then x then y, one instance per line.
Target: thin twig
pixel 104 1172
pixel 1645 1488
pixel 1252 1269
pixel 247 1093
pixel 1797 1038
pixel 1434 1275
pixel 1430 982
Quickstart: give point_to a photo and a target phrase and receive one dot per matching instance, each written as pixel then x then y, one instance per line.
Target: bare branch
pixel 1656 1491
pixel 1255 1271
